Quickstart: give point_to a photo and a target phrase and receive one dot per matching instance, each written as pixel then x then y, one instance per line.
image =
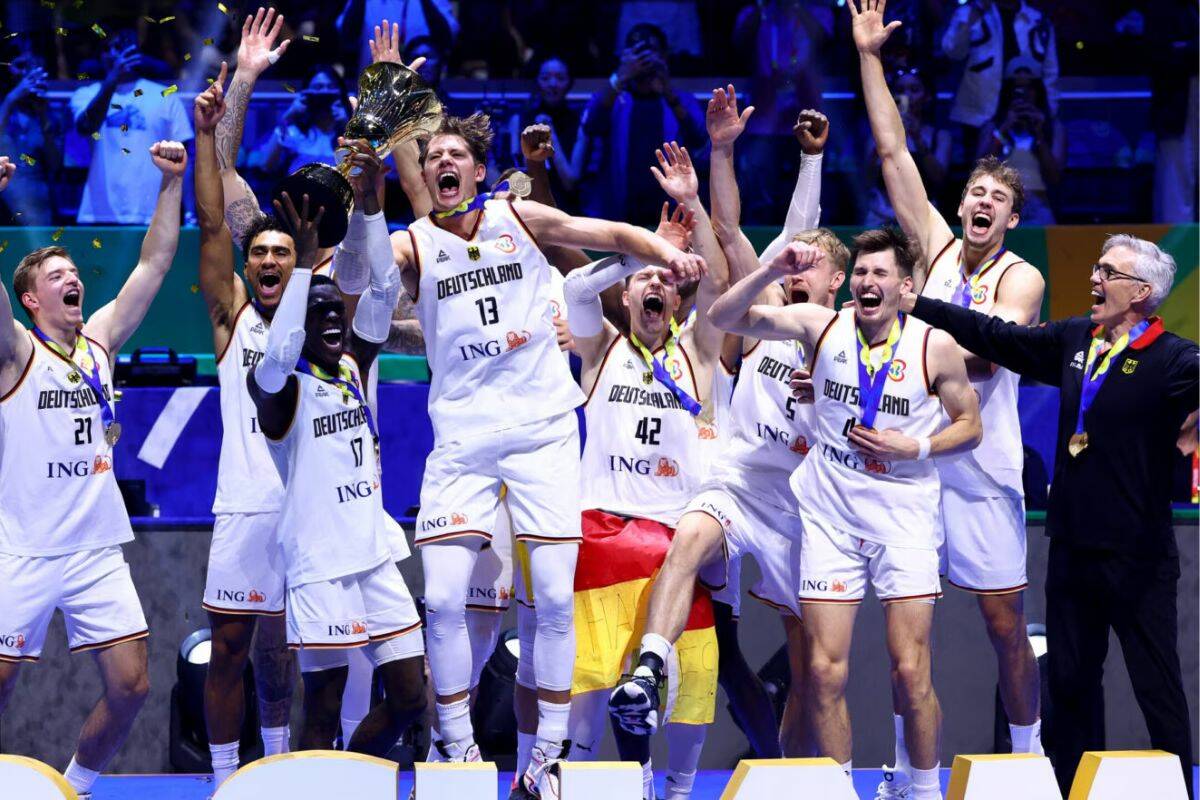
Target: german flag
pixel 618 562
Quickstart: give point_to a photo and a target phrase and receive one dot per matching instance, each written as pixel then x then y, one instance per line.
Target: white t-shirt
pixel 123 187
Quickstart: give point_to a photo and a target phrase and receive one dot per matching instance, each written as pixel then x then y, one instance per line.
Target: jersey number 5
pixel 488 312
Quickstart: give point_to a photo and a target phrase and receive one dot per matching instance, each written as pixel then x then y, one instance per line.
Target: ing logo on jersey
pixel 13 640
pixel 706 432
pixel 979 296
pixel 101 464
pixel 896 370
pixel 876 467
pixel 667 468
pixel 515 340
pixel 505 244
pixel 358 627
pixel 255 596
pixel 837 586
pixel 800 445
pixel 458 519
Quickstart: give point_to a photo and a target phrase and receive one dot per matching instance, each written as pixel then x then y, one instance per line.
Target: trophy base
pixel 326 188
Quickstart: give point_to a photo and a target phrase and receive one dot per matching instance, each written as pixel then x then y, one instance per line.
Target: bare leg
pixel 794 740
pixel 404 702
pixel 224 700
pixel 751 705
pixel 697 541
pixel 908 638
pixel 123 672
pixel 274 672
pixel 8 681
pixel 1020 686
pixel 322 707
pixel 828 629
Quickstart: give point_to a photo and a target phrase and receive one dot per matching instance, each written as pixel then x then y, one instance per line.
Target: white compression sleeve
pixel 804 209
pixel 373 317
pixel 285 340
pixel 582 289
pixel 352 259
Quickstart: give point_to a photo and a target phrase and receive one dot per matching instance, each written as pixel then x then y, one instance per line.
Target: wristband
pixel 923 445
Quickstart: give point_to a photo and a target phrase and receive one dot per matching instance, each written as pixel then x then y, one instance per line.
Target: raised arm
pixel 224 293
pixel 15 346
pixel 367 246
pixel 725 125
pixel 736 312
pixel 804 209
pixel 114 323
pixel 900 174
pixel 256 52
pixel 119 65
pixel 7 170
pixel 537 146
pixel 1035 352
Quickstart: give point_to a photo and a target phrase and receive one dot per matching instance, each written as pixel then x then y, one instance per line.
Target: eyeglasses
pixel 1108 273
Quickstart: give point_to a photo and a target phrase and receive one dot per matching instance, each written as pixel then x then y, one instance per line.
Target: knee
pixel 229 653
pixel 1006 628
pixel 409 701
pixel 827 676
pixel 129 689
pixel 556 609
pixel 689 549
pixel 911 678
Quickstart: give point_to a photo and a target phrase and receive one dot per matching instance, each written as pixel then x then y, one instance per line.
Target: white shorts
pixel 246 574
pixel 93 589
pixel 538 462
pixel 771 535
pixel 491 587
pixel 835 567
pixel 984 543
pixel 369 606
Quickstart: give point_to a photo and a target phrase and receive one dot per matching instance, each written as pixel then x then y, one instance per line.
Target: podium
pixel 600 780
pixel 460 781
pixel 1123 774
pixel 313 775
pixel 30 779
pixel 757 778
pixel 1001 777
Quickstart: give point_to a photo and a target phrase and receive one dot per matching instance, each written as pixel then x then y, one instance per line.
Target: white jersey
pixel 58 493
pixel 644 452
pixel 247 482
pixel 332 521
pixel 484 305
pixel 994 467
pixel 769 432
pixel 887 502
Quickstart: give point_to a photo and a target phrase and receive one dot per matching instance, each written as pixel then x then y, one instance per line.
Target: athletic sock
pixel 454 722
pixel 552 727
pixel 679 784
pixel 648 781
pixel 276 740
pixel 525 743
pixel 654 653
pixel 1027 738
pixel 903 764
pixel 926 783
pixel 349 726
pixel 225 760
pixel 848 767
pixel 80 778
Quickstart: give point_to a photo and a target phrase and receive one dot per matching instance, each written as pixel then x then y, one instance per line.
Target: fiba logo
pixel 979 295
pixel 505 244
pixel 896 370
pixel 675 368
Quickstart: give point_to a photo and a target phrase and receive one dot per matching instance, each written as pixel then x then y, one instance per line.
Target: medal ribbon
pixel 345 383
pixel 467 206
pixel 962 295
pixel 1092 381
pixel 107 415
pixel 871 379
pixel 660 372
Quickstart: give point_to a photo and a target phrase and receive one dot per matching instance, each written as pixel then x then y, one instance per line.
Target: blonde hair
pixel 827 240
pixel 25 275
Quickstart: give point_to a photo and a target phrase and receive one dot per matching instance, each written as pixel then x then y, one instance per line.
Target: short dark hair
pixel 1004 173
pixel 262 224
pixel 412 45
pixel 646 30
pixel 889 237
pixel 475 130
pixel 321 279
pixel 25 274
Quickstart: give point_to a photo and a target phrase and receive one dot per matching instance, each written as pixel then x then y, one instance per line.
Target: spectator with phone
pixel 548 106
pixel 309 128
pixel 30 132
pixel 1026 133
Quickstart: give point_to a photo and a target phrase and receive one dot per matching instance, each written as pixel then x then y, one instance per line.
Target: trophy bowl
pixel 395 104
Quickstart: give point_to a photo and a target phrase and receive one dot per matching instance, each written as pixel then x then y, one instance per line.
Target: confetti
pixel 82 76
pixel 210 81
pixel 96 135
pixel 57 234
pixel 221 7
pixel 125 128
pixel 137 92
pixel 170 90
pixel 96 243
pixel 116 106
pixel 126 150
pixel 165 20
pixel 96 29
pixel 61 31
pixel 48 4
pixel 28 159
pixel 3 245
pixel 194 287
pixel 308 38
pixel 207 42
pixel 290 88
pixel 187 56
pixel 150 19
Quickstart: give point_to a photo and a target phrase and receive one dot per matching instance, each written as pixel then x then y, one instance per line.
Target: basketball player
pixel 245 582
pixel 868 494
pixel 62 519
pixel 648 428
pixel 502 406
pixel 343 590
pixel 983 502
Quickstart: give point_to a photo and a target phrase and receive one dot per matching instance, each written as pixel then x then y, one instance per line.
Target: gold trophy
pixel 395 104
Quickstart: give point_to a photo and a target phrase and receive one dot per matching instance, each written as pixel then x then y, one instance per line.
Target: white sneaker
pixel 894 786
pixel 542 778
pixel 454 752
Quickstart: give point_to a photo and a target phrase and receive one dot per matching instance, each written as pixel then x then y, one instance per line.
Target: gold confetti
pixel 28 159
pixel 48 4
pixel 137 92
pixel 3 245
pixel 170 90
pixel 290 88
pixel 208 41
pixel 96 243
pixel 150 19
pixel 82 76
pixel 166 19
pixel 61 31
pixel 308 38
pixel 210 81
pixel 221 7
pixel 96 29
pixel 194 287
pixel 125 128
pixel 56 235
pixel 126 150
pixel 187 56
pixel 96 135
pixel 116 106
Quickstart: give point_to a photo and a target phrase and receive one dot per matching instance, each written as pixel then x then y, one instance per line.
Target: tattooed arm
pixel 406 336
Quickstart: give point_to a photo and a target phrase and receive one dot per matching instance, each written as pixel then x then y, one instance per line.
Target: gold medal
pixel 520 184
pixel 1077 444
pixel 112 433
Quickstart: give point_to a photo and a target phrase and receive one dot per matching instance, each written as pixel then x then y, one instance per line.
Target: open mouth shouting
pixel 270 285
pixel 869 301
pixel 981 224
pixel 448 184
pixel 72 298
pixel 654 305
pixel 1098 299
pixel 331 335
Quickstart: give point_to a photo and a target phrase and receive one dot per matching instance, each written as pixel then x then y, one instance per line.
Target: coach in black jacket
pixel 1113 559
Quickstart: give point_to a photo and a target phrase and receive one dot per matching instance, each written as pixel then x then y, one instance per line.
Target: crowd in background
pixel 85 86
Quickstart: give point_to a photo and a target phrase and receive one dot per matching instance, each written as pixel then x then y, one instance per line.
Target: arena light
pixel 1037 638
